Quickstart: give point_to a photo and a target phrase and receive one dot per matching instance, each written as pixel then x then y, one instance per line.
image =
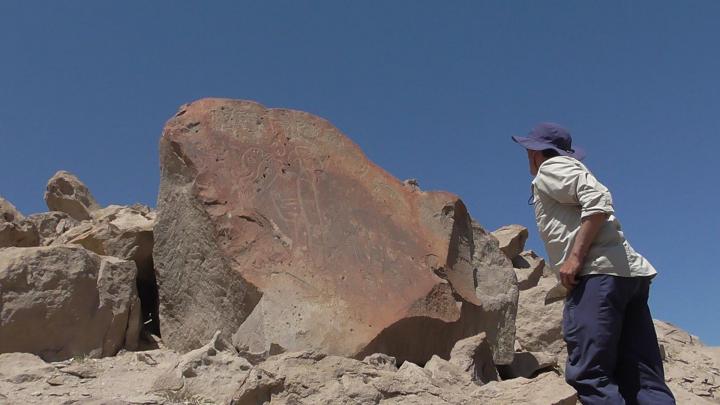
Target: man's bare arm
pixel 589 229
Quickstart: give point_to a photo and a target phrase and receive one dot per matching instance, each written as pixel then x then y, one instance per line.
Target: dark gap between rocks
pixel 147 285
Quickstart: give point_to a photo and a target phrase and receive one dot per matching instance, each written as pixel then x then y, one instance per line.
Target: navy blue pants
pixel 613 353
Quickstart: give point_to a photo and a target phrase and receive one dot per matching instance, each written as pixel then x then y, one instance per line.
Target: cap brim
pixel 531 144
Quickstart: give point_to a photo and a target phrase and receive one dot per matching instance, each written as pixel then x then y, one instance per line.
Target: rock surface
pixel 529 267
pixel 51 225
pixel 691 368
pixel 309 378
pixel 276 229
pixel 473 356
pixel 125 232
pixel 15 229
pixel 539 326
pixel 216 374
pixel 512 239
pixel 66 193
pixel 60 302
pixel 212 371
pixel 527 364
pixel 8 212
pixel 20 233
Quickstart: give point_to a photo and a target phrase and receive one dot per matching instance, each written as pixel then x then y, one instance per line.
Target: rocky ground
pixel 284 267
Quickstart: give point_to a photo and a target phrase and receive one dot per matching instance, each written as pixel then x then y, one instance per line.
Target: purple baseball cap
pixel 548 135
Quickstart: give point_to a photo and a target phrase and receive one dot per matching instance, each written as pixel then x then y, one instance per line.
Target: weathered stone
pixel 51 225
pixel 8 212
pixel 300 379
pixel 274 227
pixel 68 194
pixel 528 364
pixel 446 374
pixel 18 368
pixel 691 369
pixel 20 233
pixel 382 361
pixel 529 267
pixel 127 233
pixel 258 357
pixel 212 371
pixel 546 389
pixel 60 302
pixel 496 287
pixel 15 230
pixel 472 355
pixel 539 326
pixel 512 239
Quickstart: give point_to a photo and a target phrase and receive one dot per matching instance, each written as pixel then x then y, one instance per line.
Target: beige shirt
pixel 565 192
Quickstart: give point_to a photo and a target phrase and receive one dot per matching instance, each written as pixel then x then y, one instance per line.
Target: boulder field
pixel 282 266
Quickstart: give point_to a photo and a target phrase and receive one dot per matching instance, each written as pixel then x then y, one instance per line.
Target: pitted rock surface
pixel 275 228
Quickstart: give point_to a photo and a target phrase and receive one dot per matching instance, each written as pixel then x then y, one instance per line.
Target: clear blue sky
pixel 430 90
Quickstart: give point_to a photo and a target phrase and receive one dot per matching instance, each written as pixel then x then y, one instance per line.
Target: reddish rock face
pixel 276 228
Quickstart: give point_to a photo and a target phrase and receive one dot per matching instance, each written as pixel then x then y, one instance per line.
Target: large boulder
pixel 66 193
pixel 512 239
pixel 276 229
pixel 64 301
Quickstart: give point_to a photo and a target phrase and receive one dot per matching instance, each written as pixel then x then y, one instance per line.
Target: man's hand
pixel 589 228
pixel 569 271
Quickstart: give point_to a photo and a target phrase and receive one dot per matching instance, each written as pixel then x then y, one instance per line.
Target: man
pixel 613 353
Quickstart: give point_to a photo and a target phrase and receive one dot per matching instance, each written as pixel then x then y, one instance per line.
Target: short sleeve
pixel 567 181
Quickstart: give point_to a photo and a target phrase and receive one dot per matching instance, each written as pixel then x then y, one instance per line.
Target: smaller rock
pixel 50 225
pixel 663 354
pixel 445 374
pixel 146 358
pixel 59 379
pixel 545 389
pixel 8 212
pixel 539 324
pixel 212 371
pixel 81 369
pixel 528 364
pixel 18 368
pixel 257 388
pixel 412 370
pixel 21 233
pixel 66 193
pixel 15 230
pixel 381 361
pixel 258 357
pixel 512 239
pixel 474 356
pixel 412 183
pixel 528 268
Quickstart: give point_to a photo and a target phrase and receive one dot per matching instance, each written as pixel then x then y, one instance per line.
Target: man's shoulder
pixel 560 162
pixel 559 167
